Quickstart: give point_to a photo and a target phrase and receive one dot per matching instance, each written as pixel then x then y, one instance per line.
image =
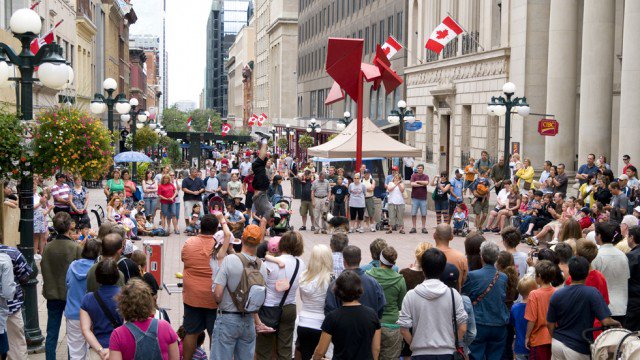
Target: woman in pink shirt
pixel 137 306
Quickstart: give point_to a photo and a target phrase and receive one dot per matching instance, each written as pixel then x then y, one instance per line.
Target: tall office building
pixel 226 18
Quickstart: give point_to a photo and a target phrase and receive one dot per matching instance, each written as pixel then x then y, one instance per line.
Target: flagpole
pixel 465 30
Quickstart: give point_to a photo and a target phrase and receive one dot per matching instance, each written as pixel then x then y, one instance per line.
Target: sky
pixel 186 25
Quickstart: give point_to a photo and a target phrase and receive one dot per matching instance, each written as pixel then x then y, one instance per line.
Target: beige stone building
pixel 276 49
pixel 569 58
pixel 241 55
pixel 85 54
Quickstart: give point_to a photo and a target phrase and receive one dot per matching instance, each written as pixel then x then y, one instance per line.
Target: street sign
pixel 414 126
pixel 548 127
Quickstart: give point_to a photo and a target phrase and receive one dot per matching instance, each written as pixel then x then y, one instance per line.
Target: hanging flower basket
pixel 305 142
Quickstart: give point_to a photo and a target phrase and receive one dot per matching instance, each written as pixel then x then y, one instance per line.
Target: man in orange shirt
pixel 538 339
pixel 443 235
pixel 199 305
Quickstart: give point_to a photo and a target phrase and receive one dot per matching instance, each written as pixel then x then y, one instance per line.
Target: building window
pixel 372 104
pixel 366 40
pixel 380 108
pixel 399 30
pixel 382 39
pixel 312 104
pixel 321 104
pixel 374 37
pixel 390 28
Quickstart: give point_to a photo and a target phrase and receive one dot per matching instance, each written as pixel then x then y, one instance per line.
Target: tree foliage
pixel 175 120
pixel 283 143
pixel 145 138
pixel 305 141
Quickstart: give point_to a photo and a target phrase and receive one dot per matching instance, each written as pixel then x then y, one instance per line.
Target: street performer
pixel 261 203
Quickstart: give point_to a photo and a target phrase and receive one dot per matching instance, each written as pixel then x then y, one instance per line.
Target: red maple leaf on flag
pixel 441 34
pixel 386 50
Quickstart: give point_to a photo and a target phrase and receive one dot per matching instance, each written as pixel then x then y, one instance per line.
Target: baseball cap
pixel 394 168
pixel 450 275
pixel 637 208
pixel 459 171
pixel 367 171
pixel 586 210
pixel 128 248
pixel 252 235
pixel 623 177
pixel 219 238
pixel 274 244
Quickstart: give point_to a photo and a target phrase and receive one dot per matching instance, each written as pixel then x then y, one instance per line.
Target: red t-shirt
pixel 166 190
pixel 249 181
pixel 585 222
pixel 122 339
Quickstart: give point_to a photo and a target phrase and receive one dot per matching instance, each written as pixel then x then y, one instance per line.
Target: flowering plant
pixel 12 153
pixel 305 142
pixel 283 143
pixel 69 139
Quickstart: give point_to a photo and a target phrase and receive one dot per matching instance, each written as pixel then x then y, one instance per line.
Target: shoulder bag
pixel 112 319
pixel 458 353
pixel 270 315
pixel 487 290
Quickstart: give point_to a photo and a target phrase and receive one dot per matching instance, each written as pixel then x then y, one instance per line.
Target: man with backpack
pixel 240 291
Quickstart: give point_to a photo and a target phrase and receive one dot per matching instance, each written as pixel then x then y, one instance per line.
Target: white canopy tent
pixel 375 143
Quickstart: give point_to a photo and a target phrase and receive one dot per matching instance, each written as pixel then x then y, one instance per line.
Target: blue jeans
pixel 55 309
pixel 150 205
pixel 524 223
pixel 489 343
pixel 457 224
pixel 234 337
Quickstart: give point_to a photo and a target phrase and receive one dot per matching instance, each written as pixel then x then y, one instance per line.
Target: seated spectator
pixel 141 330
pixel 354 329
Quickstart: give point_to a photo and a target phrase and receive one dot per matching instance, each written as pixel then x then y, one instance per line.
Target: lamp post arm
pixel 98 96
pixel 45 50
pixel 13 57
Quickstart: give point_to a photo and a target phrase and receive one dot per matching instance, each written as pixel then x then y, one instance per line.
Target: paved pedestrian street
pixel 404 244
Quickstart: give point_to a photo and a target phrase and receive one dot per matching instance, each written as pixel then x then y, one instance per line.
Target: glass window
pixel 380 110
pixel 372 104
pixel 312 104
pixel 390 28
pixel 320 103
pixel 374 37
pixel 382 28
pixel 400 29
pixel 366 40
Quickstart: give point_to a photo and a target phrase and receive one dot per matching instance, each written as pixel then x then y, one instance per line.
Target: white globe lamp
pixel 53 75
pixel 109 84
pixel 509 88
pixel 25 21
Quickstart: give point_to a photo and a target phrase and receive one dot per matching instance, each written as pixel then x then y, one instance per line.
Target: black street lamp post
pixel 503 105
pixel 100 103
pixel 138 117
pixel 399 117
pixel 273 133
pixel 53 73
pixel 314 129
pixel 345 121
pixel 287 132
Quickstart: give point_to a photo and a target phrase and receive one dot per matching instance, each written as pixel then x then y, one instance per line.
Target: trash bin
pixel 297 187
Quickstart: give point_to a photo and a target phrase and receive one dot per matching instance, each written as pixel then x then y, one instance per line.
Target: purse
pixel 487 290
pixel 458 353
pixel 270 315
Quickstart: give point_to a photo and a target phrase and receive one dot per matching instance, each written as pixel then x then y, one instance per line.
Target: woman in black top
pixel 354 329
pixel 275 190
pixel 338 194
pixel 602 193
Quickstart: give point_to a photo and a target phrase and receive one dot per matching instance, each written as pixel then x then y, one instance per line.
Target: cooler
pixel 154 251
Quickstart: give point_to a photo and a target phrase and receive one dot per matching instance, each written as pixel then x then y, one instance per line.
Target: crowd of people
pixel 253 296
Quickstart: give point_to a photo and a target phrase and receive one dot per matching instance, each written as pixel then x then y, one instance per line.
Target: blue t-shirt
pixel 573 309
pixel 518 321
pixel 102 327
pixel 235 216
pixel 456 188
pixel 584 169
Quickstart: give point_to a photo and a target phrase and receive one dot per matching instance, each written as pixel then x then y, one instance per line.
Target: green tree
pixel 174 120
pixel 145 138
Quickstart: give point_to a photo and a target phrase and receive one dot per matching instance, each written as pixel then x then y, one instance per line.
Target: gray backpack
pixel 252 290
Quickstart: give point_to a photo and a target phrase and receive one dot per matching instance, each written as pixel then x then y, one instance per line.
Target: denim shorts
pixel 176 210
pixel 167 210
pixel 418 204
pixel 442 205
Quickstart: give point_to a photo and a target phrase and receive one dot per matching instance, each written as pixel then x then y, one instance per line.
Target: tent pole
pixel 359 124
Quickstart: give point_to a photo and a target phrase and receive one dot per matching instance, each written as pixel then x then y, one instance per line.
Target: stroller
pixel 383 224
pixel 216 203
pixel 613 344
pixel 282 217
pixel 463 230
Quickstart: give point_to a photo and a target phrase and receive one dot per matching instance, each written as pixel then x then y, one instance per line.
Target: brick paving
pixel 404 244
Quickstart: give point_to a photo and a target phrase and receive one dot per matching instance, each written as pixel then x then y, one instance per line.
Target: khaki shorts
pixel 370 205
pixel 305 208
pixel 481 207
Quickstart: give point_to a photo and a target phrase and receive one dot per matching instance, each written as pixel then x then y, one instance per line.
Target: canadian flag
pixel 391 47
pixel 253 119
pixel 443 33
pixel 47 38
pixel 189 123
pixel 262 118
pixel 225 129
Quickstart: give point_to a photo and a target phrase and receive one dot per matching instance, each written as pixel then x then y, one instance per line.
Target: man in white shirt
pixel 614 265
pixel 211 187
pixel 502 200
pixel 244 166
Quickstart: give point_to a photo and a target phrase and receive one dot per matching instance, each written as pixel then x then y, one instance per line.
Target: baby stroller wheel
pixel 378 227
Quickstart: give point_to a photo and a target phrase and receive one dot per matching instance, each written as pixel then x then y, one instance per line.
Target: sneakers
pixel 313 228
pixel 37 257
pixel 373 229
pixel 424 231
pixel 302 228
pixel 263 135
pixel 412 231
pixel 553 242
pixel 360 230
pixel 531 240
pixel 351 230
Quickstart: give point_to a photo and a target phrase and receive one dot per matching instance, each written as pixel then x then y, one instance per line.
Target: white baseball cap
pixel 219 238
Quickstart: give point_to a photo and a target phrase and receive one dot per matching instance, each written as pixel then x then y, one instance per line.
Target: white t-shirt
pixel 312 296
pixel 274 272
pixel 395 196
pixel 212 185
pixel 613 264
pixel 244 168
pixel 503 197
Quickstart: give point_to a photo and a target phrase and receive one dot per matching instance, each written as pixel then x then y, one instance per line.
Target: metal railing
pixel 470 42
pixel 451 49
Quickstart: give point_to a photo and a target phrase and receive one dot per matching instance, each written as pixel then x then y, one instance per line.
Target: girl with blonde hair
pixel 314 282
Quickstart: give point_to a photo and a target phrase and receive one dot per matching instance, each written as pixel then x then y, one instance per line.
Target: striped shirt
pixel 21 272
pixel 61 192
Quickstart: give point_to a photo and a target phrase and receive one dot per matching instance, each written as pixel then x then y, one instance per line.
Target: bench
pixel 98 211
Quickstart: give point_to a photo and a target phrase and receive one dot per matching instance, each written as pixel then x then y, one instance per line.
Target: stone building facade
pixel 565 57
pixel 241 57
